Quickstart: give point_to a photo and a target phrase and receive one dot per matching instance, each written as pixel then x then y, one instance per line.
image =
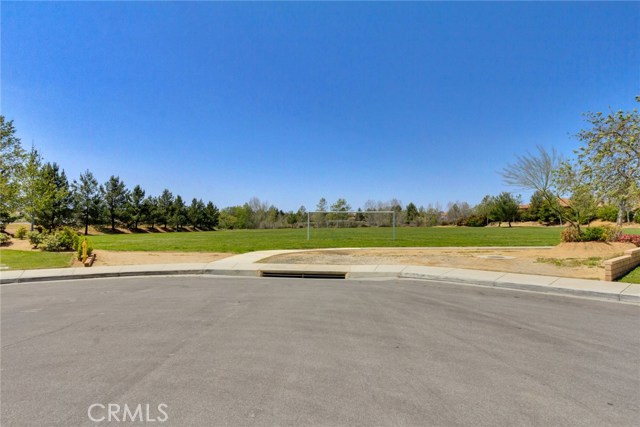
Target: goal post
pixel 348 219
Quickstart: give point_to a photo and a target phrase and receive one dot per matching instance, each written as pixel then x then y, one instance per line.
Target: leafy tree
pixel 453 213
pixel 505 207
pixel 165 207
pixel 301 215
pixel 321 207
pixel 227 220
pixel 273 217
pixel 12 157
pixel 87 199
pixel 235 217
pixel 583 205
pixel 540 209
pixel 432 215
pixel 485 208
pixel 115 196
pixel 56 203
pixel 609 160
pixel 607 213
pixel 340 205
pixel 135 206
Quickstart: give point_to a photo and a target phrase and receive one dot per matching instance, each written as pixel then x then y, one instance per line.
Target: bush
pixel 4 238
pixel 79 248
pixel 68 238
pixel 35 238
pixel 630 238
pixel 21 233
pixel 611 233
pixel 475 221
pixel 52 243
pixel 570 234
pixel 592 234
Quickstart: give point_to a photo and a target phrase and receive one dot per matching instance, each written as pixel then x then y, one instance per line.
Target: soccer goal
pixel 351 219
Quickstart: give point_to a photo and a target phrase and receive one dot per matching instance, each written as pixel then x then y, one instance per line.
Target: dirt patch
pixel 133 258
pixel 579 260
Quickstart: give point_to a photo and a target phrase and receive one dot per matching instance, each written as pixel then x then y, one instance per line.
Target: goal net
pixel 333 220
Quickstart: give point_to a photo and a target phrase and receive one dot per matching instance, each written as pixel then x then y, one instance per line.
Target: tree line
pixel 41 193
pixel 602 181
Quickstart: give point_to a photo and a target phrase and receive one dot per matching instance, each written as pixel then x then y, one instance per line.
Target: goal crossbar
pixel 309 213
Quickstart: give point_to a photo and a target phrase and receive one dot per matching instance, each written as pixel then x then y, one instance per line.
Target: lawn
pixel 23 260
pixel 632 277
pixel 241 241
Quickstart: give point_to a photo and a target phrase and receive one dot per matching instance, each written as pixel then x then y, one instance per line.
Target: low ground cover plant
pixel 630 238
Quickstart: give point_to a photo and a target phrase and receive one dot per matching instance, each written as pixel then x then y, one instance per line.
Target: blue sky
pixel 290 102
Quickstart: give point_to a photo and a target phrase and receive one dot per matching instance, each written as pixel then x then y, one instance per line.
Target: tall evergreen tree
pixel 151 211
pixel 12 157
pixel 87 195
pixel 135 206
pixel 505 207
pixel 179 213
pixel 115 197
pixel 165 207
pixel 56 204
pixel 32 188
pixel 196 213
pixel 211 216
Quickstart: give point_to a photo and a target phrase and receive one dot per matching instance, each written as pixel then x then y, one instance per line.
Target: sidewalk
pixel 248 265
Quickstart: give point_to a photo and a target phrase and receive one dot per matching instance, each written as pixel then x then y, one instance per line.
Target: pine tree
pixel 115 198
pixel 87 199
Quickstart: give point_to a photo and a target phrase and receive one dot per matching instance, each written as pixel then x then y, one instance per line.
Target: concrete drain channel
pixel 303 274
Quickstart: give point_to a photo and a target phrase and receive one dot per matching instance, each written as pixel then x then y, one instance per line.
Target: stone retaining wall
pixel 618 267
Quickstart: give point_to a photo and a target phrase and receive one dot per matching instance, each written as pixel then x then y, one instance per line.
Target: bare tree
pixel 537 172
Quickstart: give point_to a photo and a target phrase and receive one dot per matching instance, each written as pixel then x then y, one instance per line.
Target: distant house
pixel 565 203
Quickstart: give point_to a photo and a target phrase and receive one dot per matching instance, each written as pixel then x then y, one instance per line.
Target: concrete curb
pixel 247 265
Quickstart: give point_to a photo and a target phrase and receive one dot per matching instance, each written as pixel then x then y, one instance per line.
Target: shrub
pixel 630 238
pixel 475 221
pixel 79 248
pixel 592 234
pixel 35 238
pixel 68 238
pixel 4 238
pixel 611 233
pixel 52 243
pixel 21 233
pixel 570 234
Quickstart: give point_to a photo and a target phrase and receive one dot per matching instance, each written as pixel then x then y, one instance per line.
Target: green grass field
pixel 632 277
pixel 241 241
pixel 24 260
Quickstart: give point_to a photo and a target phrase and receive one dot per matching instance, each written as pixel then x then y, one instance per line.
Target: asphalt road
pixel 235 352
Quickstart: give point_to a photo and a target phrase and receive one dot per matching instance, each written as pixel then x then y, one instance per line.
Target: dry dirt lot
pixel 580 260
